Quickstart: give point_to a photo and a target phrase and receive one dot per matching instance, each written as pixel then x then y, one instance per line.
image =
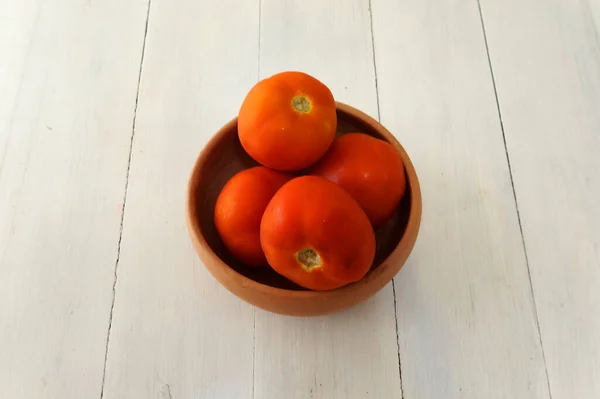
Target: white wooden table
pixel 105 105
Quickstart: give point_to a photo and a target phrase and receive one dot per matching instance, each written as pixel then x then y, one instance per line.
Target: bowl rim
pixel 414 218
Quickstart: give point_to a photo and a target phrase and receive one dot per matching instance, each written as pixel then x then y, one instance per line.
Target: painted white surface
pixel 68 78
pixel 176 333
pixel 466 316
pixel 353 354
pixel 548 79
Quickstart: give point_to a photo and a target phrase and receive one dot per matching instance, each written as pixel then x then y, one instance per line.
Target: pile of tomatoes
pixel 311 209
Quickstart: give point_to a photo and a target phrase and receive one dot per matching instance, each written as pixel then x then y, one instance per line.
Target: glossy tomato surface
pixel 369 169
pixel 316 235
pixel 288 121
pixel 239 209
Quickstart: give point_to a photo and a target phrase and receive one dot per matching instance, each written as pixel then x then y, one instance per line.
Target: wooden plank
pixel 546 62
pixel 176 332
pixel 352 354
pixel 467 326
pixel 68 82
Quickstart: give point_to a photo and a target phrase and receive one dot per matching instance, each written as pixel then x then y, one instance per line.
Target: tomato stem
pixel 301 104
pixel 309 259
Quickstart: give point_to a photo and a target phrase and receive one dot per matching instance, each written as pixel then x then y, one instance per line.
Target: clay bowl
pixel 222 157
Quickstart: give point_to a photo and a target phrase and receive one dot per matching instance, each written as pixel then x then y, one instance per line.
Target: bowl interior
pixel 227 157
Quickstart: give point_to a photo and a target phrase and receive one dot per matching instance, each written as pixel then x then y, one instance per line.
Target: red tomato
pixel 239 210
pixel 316 235
pixel 371 170
pixel 288 121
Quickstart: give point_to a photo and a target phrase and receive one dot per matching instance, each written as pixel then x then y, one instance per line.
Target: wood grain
pixel 177 333
pixel 68 89
pixel 548 80
pixel 352 354
pixel 467 326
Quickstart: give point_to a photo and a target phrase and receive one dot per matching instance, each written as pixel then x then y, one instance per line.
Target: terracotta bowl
pixel 222 157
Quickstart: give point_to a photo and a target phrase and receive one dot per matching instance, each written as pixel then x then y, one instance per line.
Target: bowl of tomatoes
pixel 302 205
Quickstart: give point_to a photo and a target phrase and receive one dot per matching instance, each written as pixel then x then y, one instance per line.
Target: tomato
pixel 239 209
pixel 288 121
pixel 316 235
pixel 371 170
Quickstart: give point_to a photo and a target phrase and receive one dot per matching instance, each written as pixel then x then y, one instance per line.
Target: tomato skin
pixel 313 213
pixel 370 169
pixel 239 209
pixel 280 136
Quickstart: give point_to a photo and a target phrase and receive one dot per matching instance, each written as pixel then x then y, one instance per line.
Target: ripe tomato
pixel 288 121
pixel 239 209
pixel 370 169
pixel 316 235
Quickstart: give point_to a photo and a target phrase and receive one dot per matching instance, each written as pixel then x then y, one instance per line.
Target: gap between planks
pixel 114 286
pixel 512 183
pixel 379 120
